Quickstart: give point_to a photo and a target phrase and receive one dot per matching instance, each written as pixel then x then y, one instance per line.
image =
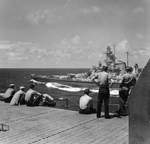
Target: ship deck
pixel 45 125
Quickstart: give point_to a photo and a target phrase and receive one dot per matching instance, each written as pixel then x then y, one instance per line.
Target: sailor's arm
pixel 90 104
pixel 109 79
pixel 96 81
pixel 35 92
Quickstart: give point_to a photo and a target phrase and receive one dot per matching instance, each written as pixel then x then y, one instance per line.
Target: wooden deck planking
pixel 76 131
pixel 86 131
pixel 55 130
pixel 112 137
pixel 31 128
pixel 13 113
pixel 32 124
pixel 44 125
pixel 98 134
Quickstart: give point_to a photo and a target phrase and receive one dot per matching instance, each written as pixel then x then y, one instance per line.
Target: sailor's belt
pixel 103 85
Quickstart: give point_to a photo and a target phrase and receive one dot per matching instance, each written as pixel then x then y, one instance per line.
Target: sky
pixel 72 33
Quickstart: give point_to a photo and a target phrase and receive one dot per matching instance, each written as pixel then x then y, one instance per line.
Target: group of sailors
pixel 31 97
pixel 102 79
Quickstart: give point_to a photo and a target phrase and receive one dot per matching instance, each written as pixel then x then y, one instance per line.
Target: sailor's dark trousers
pixel 103 95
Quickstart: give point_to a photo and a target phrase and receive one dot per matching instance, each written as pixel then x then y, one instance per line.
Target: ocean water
pixel 22 76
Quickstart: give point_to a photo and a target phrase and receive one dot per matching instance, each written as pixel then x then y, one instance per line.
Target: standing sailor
pixel 127 83
pixel 104 94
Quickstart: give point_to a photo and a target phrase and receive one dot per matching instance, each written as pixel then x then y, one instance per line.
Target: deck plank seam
pixel 63 131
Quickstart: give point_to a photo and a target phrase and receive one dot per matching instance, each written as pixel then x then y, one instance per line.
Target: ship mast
pixel 114 48
pixel 127 54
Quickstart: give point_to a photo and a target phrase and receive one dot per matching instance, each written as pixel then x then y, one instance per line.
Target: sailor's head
pixel 129 69
pixel 136 65
pixel 104 68
pixel 99 69
pixel 87 91
pixel 12 85
pixel 22 88
pixel 32 85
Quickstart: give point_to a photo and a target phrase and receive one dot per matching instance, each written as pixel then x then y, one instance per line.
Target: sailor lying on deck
pixel 86 103
pixel 18 97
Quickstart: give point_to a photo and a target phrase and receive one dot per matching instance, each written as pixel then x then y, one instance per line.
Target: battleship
pixel 116 69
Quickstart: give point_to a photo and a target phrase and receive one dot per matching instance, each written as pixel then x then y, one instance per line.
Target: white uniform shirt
pixel 102 78
pixel 84 100
pixel 16 97
pixel 9 92
pixel 29 94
